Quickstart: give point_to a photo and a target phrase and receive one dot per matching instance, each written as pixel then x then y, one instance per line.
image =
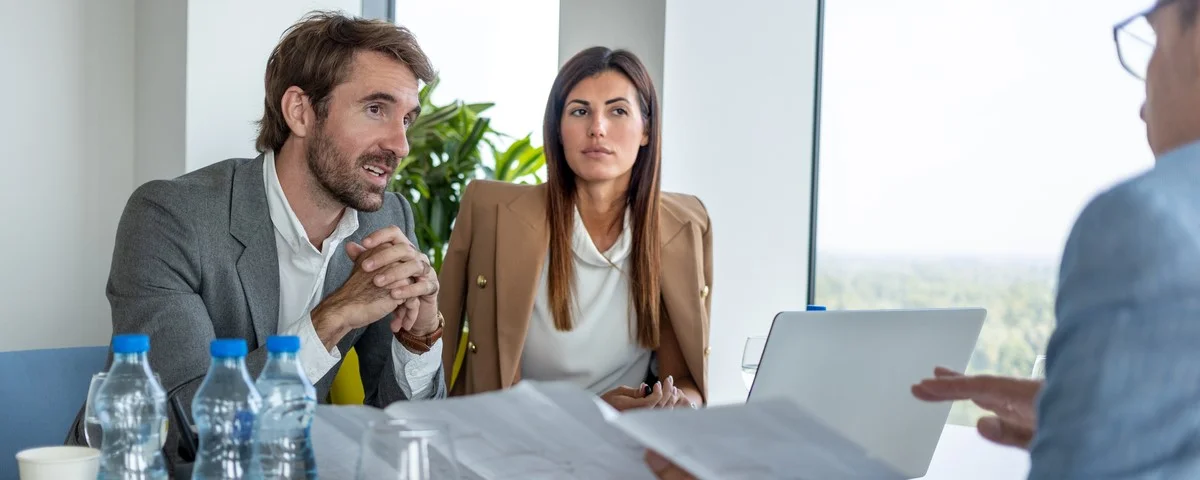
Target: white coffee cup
pixel 58 463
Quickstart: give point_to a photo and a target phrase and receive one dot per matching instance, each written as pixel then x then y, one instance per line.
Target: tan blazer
pixel 494 262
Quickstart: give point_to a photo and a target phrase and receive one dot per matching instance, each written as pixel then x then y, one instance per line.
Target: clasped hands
pixel 389 276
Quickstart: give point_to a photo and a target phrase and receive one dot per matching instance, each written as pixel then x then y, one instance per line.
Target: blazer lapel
pixel 522 239
pixel 258 266
pixel 338 272
pixel 681 280
pixel 340 265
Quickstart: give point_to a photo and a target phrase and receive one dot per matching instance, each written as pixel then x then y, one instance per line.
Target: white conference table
pixel 961 453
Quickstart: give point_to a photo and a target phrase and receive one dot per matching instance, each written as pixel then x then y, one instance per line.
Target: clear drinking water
pixel 92 432
pixel 132 408
pixel 282 438
pixel 751 355
pixel 748 373
pixel 224 410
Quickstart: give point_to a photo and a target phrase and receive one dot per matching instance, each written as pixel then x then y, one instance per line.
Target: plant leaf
pixel 450 145
pixel 478 108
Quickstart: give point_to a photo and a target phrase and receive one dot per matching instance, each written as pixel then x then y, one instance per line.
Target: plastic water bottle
pixel 132 407
pixel 282 436
pixel 224 410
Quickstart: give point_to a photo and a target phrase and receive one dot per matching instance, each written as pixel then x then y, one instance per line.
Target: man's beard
pixel 340 178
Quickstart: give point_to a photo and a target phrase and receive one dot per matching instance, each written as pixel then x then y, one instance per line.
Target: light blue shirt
pixel 1122 392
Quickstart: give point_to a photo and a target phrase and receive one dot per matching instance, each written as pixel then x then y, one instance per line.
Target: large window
pixel 490 51
pixel 959 141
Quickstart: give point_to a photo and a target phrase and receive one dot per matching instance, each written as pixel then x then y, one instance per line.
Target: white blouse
pixel 600 352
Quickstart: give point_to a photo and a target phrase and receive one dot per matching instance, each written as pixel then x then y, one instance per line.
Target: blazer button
pixel 707 350
pixel 471 346
pixel 481 281
pixel 704 292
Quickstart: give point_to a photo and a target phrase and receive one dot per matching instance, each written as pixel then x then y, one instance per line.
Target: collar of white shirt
pixel 586 251
pixel 286 222
pixel 414 373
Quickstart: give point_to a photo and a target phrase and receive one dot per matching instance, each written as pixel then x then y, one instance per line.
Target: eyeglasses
pixel 1135 41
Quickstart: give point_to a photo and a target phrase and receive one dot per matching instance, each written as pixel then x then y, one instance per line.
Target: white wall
pixel 160 73
pixel 67 159
pixel 737 131
pixel 228 44
pixel 103 96
pixel 634 25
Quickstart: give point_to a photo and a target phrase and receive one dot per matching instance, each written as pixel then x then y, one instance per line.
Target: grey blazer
pixel 195 260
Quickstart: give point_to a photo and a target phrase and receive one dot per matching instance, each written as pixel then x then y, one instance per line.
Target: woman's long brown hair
pixel 642 197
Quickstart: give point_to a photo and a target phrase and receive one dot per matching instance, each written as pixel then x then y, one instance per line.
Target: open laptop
pixel 854 370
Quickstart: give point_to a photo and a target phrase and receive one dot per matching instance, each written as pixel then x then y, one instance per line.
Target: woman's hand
pixel 664 469
pixel 662 395
pixel 667 395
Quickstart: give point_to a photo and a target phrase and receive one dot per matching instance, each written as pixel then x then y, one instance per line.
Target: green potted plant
pixel 448 145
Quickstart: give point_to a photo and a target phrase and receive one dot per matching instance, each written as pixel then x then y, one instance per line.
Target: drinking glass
pixel 398 449
pixel 750 357
pixel 91 420
pixel 1039 367
pixel 93 434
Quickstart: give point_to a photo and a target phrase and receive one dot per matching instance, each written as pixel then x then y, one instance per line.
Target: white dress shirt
pixel 601 351
pixel 302 269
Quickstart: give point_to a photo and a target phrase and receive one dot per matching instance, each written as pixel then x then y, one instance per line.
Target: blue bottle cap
pixel 815 308
pixel 227 347
pixel 283 344
pixel 131 343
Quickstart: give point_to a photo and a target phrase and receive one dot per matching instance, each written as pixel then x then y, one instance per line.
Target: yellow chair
pixel 347 386
pixel 460 355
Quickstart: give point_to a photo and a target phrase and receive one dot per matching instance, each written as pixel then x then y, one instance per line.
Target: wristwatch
pixel 421 343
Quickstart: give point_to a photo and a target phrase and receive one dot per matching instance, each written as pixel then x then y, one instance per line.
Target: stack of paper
pixel 554 431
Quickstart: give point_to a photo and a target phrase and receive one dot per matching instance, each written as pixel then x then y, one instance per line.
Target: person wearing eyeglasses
pixel 1121 397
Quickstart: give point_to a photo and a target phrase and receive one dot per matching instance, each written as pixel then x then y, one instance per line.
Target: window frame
pixel 815 156
pixel 379 9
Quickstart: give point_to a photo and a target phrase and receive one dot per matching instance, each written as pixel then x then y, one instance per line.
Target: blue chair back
pixel 40 394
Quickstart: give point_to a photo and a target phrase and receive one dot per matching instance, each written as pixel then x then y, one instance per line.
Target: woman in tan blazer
pixel 595 277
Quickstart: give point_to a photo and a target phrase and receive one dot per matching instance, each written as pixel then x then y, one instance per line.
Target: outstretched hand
pixel 1010 399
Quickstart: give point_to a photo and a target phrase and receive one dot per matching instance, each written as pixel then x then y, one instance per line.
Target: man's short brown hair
pixel 317 53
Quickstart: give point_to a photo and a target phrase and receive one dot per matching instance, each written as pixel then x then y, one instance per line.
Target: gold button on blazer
pixel 492 267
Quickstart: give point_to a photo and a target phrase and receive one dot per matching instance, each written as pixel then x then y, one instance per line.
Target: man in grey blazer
pixel 304 239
